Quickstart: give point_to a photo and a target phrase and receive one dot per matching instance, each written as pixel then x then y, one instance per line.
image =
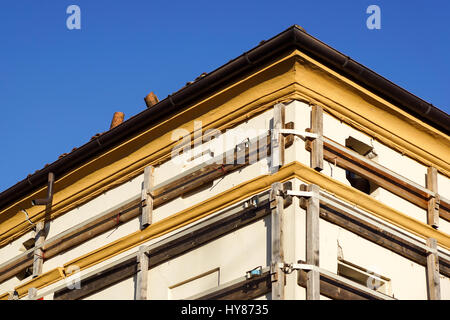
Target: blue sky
pixel 59 87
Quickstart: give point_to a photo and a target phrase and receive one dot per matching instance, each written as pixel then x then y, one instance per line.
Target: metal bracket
pixel 251 203
pixel 306 194
pixel 254 272
pixel 303 134
pixel 289 267
pixel 304 266
pixel 285 267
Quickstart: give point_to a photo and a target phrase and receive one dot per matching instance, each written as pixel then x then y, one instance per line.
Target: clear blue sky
pixel 59 87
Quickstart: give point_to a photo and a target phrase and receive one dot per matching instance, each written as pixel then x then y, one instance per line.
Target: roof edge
pixel 293 37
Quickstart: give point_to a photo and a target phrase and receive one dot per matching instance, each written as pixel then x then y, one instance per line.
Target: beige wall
pixel 123 290
pixel 229 257
pixel 232 254
pixel 407 277
pixel 9 251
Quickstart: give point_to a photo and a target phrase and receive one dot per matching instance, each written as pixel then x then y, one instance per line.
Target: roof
pixel 294 37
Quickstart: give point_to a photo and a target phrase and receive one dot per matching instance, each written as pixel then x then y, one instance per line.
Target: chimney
pixel 151 99
pixel 117 119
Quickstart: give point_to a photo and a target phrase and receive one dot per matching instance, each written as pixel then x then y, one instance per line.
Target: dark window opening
pixel 25 273
pixel 27 245
pixel 355 180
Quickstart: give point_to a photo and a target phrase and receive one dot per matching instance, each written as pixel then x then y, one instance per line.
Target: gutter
pixel 293 37
pixel 374 82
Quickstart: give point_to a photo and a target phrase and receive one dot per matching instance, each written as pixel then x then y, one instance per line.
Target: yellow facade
pixel 294 76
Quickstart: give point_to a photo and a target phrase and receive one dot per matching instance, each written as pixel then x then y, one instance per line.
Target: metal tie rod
pixel 295 193
pixel 303 134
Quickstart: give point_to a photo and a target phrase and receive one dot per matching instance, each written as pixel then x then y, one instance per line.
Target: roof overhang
pixel 287 41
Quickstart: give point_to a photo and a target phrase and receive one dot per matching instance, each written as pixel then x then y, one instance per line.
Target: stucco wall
pixel 233 254
pixel 251 245
pixel 391 159
pixel 408 279
pixel 9 251
pixel 123 290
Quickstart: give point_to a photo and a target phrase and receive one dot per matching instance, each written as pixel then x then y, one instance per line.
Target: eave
pixel 242 88
pixel 292 38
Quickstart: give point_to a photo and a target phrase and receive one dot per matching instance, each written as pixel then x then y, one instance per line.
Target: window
pixel 355 180
pixel 360 147
pixel 364 277
pixel 27 245
pixel 25 273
